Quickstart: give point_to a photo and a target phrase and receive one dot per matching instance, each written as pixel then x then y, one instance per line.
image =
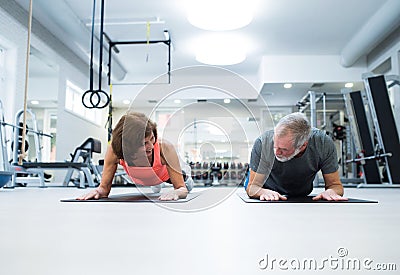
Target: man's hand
pixel 329 195
pixel 269 195
pixel 96 194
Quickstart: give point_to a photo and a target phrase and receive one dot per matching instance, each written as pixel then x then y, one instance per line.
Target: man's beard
pixel 285 159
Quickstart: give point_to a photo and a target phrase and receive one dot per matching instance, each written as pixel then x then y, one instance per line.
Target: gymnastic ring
pixel 83 99
pixel 98 94
pixel 95 104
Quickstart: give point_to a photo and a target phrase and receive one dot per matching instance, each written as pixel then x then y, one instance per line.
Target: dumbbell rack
pixel 231 174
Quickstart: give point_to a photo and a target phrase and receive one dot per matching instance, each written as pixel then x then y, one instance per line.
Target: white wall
pixel 72 130
pixel 13 39
pixel 43 88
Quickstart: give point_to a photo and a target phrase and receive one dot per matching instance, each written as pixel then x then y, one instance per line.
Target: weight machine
pixel 310 100
pixel 339 132
pixel 31 172
pixel 374 130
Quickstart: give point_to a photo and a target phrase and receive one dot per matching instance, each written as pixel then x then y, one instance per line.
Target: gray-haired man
pixel 284 162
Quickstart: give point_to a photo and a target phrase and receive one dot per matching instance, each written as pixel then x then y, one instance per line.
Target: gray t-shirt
pixel 294 177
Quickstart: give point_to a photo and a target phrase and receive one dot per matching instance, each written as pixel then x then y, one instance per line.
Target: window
pixel 73 103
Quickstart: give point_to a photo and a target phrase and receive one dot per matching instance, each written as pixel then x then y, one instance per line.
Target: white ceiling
pixel 280 27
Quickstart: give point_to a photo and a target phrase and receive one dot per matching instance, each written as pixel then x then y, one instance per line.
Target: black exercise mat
pixel 135 198
pixel 307 199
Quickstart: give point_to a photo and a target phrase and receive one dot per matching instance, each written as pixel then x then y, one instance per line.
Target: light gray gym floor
pixel 216 233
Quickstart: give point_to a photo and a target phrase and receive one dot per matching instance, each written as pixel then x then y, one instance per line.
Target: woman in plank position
pixel 146 159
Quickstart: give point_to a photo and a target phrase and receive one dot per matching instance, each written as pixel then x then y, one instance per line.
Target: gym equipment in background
pixel 225 174
pixel 3 147
pixel 387 135
pixel 113 44
pixel 34 130
pixel 32 172
pixel 28 50
pixel 361 135
pixel 339 133
pixel 309 101
pixel 215 173
pixel 354 146
pixel 16 144
pixel 84 154
pixel 96 98
pixel 81 163
pixel 5 178
pixel 374 130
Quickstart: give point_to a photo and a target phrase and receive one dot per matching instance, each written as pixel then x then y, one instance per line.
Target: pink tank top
pixel 148 176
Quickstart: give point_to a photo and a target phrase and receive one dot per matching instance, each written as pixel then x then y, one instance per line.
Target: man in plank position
pixel 285 161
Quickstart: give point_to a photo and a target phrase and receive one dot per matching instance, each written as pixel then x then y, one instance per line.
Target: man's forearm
pixel 332 181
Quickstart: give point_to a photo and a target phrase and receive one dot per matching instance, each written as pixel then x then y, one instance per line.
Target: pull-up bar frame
pixel 113 44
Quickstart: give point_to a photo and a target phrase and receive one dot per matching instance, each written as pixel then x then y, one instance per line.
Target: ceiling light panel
pixel 221 15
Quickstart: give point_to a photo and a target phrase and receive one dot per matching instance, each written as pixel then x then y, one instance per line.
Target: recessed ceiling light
pixel 227 100
pixel 126 101
pixel 34 102
pixel 221 15
pixel 177 101
pixel 349 85
pixel 287 85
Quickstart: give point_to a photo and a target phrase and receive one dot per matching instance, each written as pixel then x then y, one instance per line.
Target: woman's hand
pixel 174 195
pixel 98 193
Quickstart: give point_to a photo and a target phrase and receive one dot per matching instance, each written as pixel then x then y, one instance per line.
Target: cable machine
pixel 361 135
pixel 339 132
pixel 310 100
pixel 374 130
pixel 384 123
